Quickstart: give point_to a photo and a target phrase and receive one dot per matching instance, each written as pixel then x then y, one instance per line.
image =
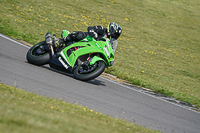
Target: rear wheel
pixel 85 73
pixel 37 54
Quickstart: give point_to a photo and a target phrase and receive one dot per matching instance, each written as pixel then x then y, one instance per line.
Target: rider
pixel 98 32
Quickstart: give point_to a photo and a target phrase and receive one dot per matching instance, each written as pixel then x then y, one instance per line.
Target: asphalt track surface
pixel 100 94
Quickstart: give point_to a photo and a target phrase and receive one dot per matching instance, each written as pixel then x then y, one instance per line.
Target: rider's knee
pixel 77 36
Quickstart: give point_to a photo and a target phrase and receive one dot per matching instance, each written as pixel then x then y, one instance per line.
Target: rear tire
pixel 37 59
pixel 88 76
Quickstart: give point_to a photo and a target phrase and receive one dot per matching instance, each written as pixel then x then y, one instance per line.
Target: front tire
pixel 98 70
pixel 35 57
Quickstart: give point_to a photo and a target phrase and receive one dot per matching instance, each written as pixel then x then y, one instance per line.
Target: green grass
pixel 24 112
pixel 159 47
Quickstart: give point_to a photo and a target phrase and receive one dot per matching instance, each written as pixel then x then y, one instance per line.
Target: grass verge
pixel 159 47
pixel 24 112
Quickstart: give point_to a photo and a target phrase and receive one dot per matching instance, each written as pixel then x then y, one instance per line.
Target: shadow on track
pixel 93 81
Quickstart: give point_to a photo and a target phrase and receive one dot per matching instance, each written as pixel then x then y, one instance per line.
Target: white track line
pixel 14 41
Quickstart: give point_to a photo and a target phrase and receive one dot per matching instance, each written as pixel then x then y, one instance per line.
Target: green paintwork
pixel 89 45
pixel 95 59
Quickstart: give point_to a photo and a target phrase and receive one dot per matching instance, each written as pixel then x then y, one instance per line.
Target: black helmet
pixel 114 30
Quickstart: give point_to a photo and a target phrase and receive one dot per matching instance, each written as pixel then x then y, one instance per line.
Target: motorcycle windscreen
pixel 114 43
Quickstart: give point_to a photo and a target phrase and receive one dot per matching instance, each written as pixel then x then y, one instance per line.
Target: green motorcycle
pixel 85 59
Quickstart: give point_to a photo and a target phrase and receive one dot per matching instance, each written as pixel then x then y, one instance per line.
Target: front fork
pixel 49 41
pixel 51 48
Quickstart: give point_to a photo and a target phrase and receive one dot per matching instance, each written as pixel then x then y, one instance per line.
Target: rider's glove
pixel 92 33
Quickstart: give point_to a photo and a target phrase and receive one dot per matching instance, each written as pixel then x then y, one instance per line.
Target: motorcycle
pixel 85 59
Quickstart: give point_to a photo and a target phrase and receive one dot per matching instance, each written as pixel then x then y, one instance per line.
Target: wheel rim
pixel 37 51
pixel 83 70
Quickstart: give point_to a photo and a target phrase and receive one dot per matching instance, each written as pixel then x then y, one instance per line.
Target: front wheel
pixel 90 72
pixel 37 54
